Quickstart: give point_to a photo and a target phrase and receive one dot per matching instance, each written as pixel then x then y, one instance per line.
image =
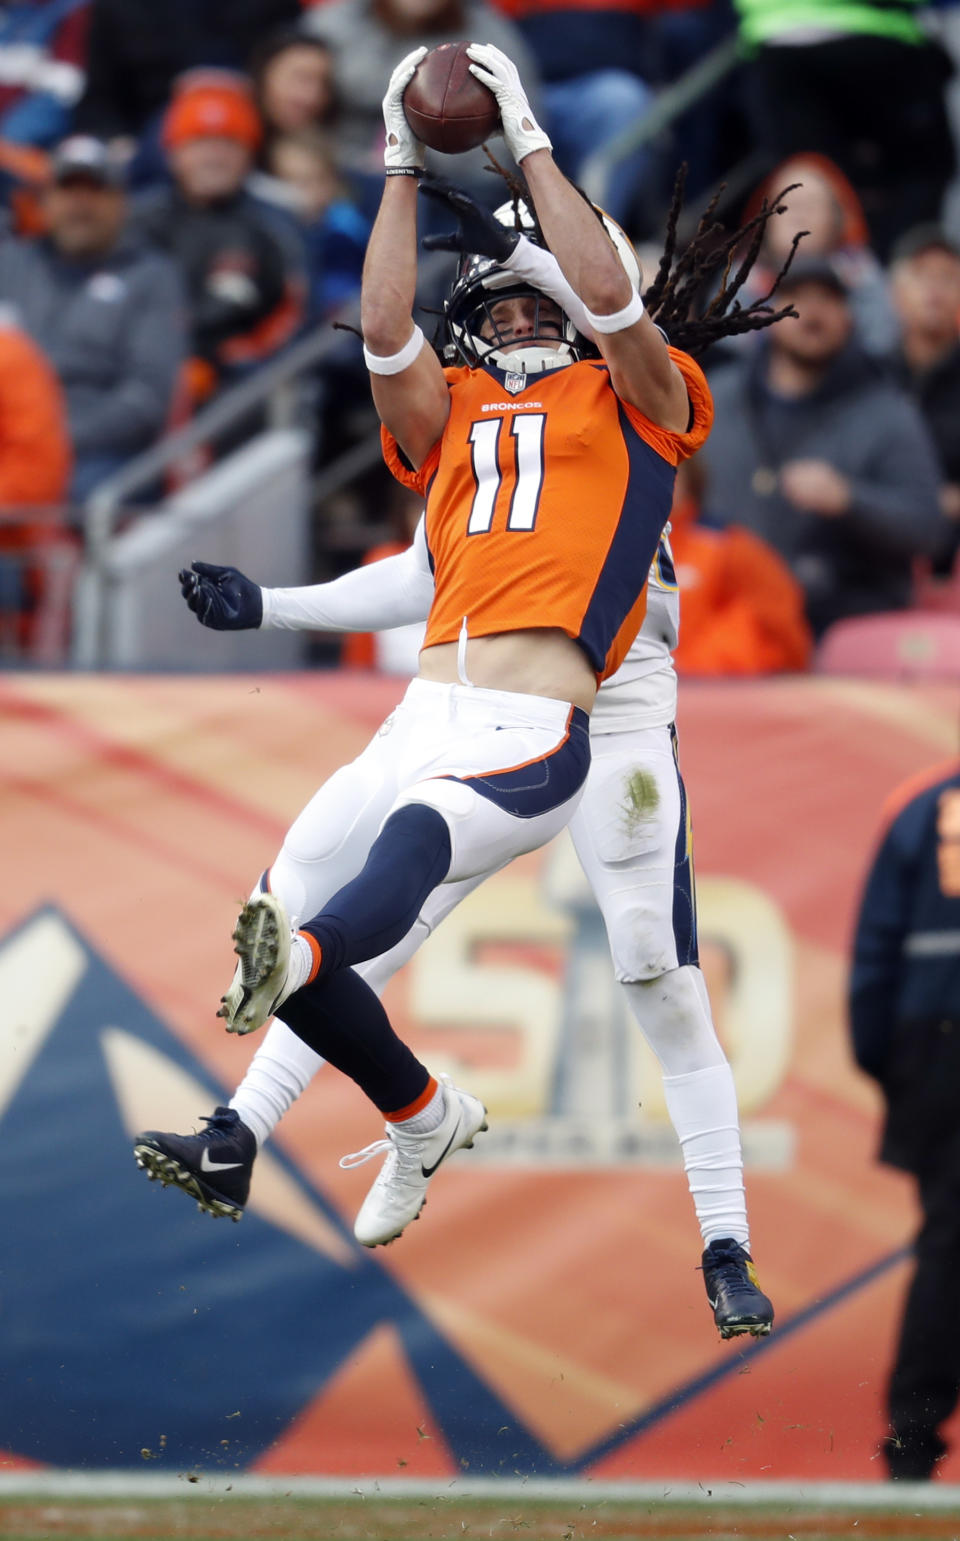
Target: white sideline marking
pixel 39 971
pixel 134 1485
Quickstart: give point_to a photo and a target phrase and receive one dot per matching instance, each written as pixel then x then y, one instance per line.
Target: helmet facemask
pixel 476 338
pixel 481 283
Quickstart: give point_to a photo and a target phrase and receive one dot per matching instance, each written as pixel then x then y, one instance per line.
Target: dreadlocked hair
pixel 680 282
pixel 519 194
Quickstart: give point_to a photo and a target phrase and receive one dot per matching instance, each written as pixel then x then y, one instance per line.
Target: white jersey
pixel 398 591
pixel 643 692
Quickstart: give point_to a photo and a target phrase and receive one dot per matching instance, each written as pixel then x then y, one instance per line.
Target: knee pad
pixel 640 933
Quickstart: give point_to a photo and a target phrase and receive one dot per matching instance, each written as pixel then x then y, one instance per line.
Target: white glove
pixel 402 149
pixel 520 128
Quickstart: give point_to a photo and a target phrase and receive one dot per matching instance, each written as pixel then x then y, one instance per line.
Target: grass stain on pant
pixel 641 798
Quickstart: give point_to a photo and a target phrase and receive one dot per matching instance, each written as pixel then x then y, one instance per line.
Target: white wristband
pixel 395 362
pixel 620 319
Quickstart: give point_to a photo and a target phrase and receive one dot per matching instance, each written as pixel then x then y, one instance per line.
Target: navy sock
pixel 337 1014
pixel 341 1018
pixel 374 911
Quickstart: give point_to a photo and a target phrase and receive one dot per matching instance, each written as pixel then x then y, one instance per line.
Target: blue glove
pixel 478 231
pixel 221 597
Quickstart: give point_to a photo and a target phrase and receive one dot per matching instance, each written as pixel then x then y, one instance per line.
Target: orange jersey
pixel 545 503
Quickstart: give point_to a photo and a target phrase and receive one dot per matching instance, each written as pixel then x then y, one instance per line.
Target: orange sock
pixel 316 952
pixel 417 1106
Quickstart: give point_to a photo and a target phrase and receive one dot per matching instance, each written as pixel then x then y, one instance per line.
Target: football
pixel 448 108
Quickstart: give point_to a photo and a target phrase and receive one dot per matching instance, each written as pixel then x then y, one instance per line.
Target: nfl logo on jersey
pixel 515 382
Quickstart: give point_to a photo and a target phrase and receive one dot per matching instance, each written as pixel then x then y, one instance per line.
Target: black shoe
pixel 213 1167
pixel 739 1305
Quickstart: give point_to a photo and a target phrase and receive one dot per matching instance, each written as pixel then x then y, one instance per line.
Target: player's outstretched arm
pixel 396 591
pixel 221 597
pixel 409 388
pixel 641 370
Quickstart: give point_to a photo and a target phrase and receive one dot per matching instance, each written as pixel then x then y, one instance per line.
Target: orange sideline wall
pixel 560 1264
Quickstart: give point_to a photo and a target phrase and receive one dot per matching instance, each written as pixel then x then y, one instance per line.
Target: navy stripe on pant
pixel 539 786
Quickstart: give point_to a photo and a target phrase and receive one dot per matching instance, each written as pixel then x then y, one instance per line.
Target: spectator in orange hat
pixel 241 261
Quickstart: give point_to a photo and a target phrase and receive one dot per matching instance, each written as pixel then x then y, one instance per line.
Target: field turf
pixel 364 1518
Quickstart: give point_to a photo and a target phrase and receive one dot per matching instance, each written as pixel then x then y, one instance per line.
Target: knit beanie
pixel 212 104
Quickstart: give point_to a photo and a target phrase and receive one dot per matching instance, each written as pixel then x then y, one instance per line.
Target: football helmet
pixel 472 334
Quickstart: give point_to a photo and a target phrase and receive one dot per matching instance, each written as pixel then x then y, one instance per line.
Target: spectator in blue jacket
pixel 335 233
pixel 241 261
pixel 905 1021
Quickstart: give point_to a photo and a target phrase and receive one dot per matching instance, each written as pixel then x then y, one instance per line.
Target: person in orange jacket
pixel 35 466
pixel 741 609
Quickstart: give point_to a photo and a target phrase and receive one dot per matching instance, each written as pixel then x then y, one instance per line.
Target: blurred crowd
pixel 181 200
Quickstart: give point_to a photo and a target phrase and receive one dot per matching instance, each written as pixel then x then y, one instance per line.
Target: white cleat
pixel 400 1190
pixel 262 938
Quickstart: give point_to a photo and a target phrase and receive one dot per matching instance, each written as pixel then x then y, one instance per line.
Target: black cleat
pixel 739 1305
pixel 213 1167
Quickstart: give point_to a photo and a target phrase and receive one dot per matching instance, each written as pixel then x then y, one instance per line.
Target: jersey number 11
pixel 527 472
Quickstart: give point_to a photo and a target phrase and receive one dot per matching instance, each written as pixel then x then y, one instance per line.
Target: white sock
pixel 300 964
pixel 673 1013
pixel 428 1119
pixel 703 1110
pixel 281 1069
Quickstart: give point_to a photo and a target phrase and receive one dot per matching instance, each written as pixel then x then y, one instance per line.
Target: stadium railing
pixel 250 510
pixel 120 537
pixel 668 105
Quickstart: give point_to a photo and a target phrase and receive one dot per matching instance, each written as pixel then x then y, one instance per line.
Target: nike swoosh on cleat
pixel 206 1165
pixel 429 1171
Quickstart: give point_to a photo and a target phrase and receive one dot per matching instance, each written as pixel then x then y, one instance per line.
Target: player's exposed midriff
pixel 539 662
